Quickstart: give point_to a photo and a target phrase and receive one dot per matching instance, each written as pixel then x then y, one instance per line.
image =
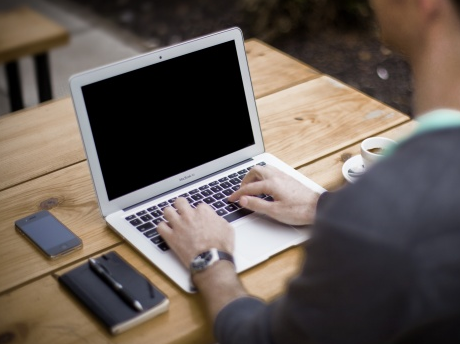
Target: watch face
pixel 202 261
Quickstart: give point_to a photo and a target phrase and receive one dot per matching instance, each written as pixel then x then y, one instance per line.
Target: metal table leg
pixel 14 85
pixel 42 73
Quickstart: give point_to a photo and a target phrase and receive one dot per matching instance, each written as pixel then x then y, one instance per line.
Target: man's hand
pixel 293 203
pixel 190 231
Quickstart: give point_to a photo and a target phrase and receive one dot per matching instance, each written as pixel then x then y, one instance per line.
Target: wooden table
pixel 310 120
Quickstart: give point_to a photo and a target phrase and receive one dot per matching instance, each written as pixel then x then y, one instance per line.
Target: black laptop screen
pixel 163 119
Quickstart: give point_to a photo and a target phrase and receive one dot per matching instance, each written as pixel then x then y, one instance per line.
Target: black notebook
pixel 101 299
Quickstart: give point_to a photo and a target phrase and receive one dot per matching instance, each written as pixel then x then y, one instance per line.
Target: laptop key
pixel 151 233
pixel 145 226
pixel 209 200
pixel 197 197
pixel 216 188
pixel 225 185
pixel 235 181
pixel 218 204
pixel 231 207
pixel 146 217
pixel 227 192
pixel 237 214
pixel 221 212
pixel 157 221
pixel 157 239
pixel 163 204
pixel 206 193
pixel 135 222
pixel 156 213
pixel 218 196
pixel 163 246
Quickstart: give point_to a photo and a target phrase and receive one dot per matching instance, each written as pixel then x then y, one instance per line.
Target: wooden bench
pixel 24 32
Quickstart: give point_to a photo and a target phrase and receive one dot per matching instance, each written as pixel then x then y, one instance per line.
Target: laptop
pixel 180 121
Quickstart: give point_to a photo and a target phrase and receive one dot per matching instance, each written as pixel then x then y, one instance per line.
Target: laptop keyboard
pixel 214 193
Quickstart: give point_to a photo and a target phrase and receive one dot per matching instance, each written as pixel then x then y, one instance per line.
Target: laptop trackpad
pixel 261 237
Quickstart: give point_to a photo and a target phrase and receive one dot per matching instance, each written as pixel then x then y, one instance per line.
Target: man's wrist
pixel 206 259
pixel 215 271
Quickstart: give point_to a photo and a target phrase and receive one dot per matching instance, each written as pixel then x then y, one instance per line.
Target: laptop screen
pixel 166 118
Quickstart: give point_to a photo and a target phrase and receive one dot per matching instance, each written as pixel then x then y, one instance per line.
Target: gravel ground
pixel 357 58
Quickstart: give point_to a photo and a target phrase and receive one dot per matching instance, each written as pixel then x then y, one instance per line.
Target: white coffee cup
pixel 374 148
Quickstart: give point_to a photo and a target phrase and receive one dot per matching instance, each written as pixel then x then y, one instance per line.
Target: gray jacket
pixel 384 257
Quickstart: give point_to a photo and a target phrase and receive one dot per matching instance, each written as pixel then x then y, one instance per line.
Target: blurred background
pixel 337 37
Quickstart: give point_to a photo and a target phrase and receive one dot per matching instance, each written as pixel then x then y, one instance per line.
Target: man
pixel 384 258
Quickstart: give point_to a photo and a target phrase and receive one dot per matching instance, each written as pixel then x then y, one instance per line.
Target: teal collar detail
pixel 431 121
pixel 437 119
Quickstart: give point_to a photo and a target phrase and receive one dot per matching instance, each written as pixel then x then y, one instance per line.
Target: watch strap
pixel 225 256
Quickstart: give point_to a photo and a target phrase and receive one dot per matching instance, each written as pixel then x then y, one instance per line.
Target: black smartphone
pixel 48 234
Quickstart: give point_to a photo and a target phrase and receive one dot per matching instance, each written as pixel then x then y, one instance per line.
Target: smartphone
pixel 48 234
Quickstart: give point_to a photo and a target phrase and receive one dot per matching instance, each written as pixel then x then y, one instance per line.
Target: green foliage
pixel 273 18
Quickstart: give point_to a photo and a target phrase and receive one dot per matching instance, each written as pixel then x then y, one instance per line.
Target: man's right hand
pixel 294 203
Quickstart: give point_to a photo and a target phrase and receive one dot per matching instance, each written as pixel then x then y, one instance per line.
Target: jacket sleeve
pixel 244 320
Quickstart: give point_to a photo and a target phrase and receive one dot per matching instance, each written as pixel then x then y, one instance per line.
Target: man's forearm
pixel 219 285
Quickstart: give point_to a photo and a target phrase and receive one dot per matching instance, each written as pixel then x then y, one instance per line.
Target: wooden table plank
pixel 328 170
pixel 272 70
pixel 37 141
pixel 313 119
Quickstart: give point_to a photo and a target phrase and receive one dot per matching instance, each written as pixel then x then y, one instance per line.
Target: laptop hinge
pixel 188 184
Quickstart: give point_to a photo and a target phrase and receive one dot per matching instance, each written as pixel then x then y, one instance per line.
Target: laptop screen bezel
pixel 77 82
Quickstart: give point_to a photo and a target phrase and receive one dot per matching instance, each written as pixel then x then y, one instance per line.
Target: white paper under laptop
pixel 179 121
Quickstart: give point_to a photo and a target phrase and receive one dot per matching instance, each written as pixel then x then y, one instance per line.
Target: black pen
pixel 116 286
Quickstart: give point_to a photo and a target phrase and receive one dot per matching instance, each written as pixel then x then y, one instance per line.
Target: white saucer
pixel 354 163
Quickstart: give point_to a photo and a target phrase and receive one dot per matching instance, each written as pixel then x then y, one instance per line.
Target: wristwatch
pixel 207 258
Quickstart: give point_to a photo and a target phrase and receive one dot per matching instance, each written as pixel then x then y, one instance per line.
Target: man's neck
pixel 436 70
